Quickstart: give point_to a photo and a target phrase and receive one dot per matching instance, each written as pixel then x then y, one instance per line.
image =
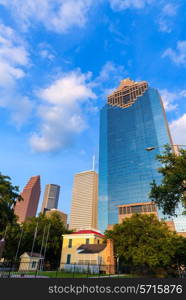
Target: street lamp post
pixel 153 147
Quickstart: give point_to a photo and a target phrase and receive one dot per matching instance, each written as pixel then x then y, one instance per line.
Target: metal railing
pixel 40 269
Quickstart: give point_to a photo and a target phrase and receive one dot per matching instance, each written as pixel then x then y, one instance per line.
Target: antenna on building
pixel 93 163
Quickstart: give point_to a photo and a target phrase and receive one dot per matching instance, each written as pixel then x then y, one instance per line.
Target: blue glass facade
pixel 125 167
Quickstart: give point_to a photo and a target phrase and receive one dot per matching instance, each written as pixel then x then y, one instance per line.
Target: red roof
pixel 88 232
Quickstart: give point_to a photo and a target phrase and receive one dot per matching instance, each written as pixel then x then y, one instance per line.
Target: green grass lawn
pixel 61 274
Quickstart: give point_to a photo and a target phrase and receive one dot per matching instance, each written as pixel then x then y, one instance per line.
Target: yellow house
pixel 30 262
pixel 86 249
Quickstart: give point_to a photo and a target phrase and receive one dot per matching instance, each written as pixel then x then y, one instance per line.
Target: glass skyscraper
pixel 51 197
pixel 132 120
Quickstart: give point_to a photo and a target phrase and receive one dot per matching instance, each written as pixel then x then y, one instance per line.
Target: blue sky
pixel 58 61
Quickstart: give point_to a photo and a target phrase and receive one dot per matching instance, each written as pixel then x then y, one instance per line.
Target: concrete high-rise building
pixel 30 194
pixel 132 120
pixel 51 197
pixel 84 201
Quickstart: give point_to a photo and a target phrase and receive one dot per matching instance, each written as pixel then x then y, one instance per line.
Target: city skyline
pixel 56 71
pixel 114 100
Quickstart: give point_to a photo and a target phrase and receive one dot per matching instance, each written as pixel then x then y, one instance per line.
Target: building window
pixel 33 264
pixel 153 207
pixel 100 260
pixel 87 241
pixel 70 243
pixel 68 258
pixel 148 208
pixel 136 209
pixel 145 208
pixel 128 210
pixel 124 210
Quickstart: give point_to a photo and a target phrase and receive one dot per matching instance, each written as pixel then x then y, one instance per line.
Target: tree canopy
pixel 9 194
pixel 172 191
pixel 38 226
pixel 143 240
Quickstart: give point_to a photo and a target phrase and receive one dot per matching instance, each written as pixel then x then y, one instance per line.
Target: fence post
pixel 87 270
pixel 36 270
pixel 60 269
pixel 178 270
pixel 74 270
pixel 10 269
pixel 56 273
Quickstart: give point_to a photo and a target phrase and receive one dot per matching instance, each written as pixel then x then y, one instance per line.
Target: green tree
pixel 13 232
pixel 9 194
pixel 180 249
pixel 172 190
pixel 43 224
pixel 144 241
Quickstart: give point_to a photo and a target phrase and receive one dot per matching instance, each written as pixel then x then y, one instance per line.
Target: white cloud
pixel 177 56
pixel 110 73
pixel 46 51
pixel 14 54
pixel 109 69
pixel 118 5
pixel 166 18
pixel 169 9
pixel 20 107
pixel 183 93
pixel 14 58
pixel 67 103
pixel 58 15
pixel 108 78
pixel 9 73
pixel 21 110
pixel 165 25
pixel 46 54
pixel 171 99
pixel 61 112
pixel 68 90
pixel 178 130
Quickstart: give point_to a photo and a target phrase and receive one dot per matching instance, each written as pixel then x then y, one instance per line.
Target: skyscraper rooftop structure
pixel 30 194
pixel 51 197
pixel 132 120
pixel 61 214
pixel 84 201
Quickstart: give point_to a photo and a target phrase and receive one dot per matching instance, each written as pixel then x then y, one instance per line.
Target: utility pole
pixel 19 243
pixel 35 234
pixel 46 240
pixel 42 241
